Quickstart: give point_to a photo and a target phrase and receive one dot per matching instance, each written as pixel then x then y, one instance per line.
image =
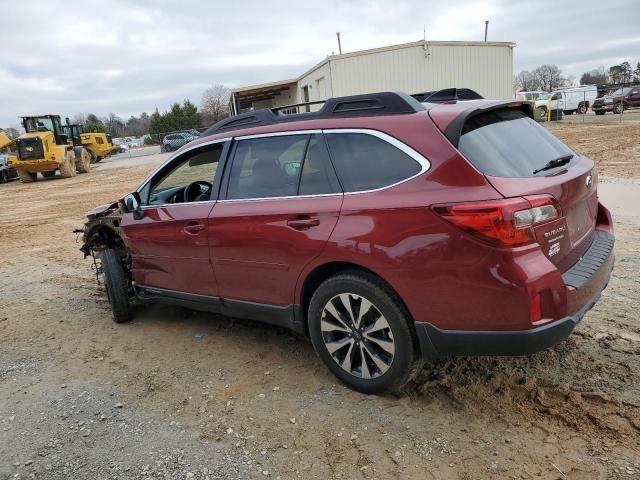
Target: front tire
pixel 117 285
pixel 27 177
pixel 363 333
pixel 618 108
pixel 68 168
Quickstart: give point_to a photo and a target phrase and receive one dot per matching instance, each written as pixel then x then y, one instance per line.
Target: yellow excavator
pixel 44 148
pixel 98 145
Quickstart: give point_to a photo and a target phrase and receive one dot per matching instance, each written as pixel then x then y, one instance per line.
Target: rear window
pixel 509 143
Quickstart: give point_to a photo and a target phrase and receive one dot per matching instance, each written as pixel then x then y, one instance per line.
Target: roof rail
pixel 448 95
pixel 381 103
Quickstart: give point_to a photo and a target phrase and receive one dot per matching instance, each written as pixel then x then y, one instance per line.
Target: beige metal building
pixel 486 67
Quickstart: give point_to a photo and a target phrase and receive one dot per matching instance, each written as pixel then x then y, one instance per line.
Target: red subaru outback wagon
pixel 387 230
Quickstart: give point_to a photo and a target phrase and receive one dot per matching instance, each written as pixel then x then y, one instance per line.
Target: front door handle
pixel 193 228
pixel 303 222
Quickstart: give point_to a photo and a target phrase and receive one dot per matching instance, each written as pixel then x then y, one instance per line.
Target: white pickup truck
pixel 569 100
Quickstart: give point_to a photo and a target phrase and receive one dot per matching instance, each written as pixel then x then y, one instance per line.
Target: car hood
pixel 101 210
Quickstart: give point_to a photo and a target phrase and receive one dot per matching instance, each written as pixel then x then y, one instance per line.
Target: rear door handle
pixel 303 223
pixel 193 228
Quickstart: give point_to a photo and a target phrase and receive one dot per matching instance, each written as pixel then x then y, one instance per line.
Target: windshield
pixel 508 143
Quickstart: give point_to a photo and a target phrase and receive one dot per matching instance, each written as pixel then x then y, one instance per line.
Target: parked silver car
pixel 174 141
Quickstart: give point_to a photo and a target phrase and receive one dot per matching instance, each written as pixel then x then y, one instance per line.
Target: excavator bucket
pixel 5 141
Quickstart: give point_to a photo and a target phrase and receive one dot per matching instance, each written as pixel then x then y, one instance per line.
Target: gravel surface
pixel 180 395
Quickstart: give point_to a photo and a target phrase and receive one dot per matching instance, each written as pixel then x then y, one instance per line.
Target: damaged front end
pixel 101 232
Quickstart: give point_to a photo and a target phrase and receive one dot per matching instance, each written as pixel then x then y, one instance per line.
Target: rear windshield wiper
pixel 556 162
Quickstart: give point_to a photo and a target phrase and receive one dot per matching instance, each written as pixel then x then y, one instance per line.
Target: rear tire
pixel 582 108
pixel 83 164
pixel 3 177
pixel 93 158
pixel 68 168
pixel 27 177
pixel 375 354
pixel 541 114
pixel 117 285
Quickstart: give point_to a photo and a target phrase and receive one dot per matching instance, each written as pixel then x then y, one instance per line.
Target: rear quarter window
pixel 509 143
pixel 365 162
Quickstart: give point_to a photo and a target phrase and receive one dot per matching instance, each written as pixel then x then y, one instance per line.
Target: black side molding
pixel 290 316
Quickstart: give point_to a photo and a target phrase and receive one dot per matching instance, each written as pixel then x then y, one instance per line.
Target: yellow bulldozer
pixel 99 145
pixel 45 149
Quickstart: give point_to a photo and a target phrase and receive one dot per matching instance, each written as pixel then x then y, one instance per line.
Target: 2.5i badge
pixel 554 249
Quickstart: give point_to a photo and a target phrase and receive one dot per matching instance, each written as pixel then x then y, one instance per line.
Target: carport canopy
pixel 245 97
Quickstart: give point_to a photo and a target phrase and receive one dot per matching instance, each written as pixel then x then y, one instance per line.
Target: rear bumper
pixel 591 274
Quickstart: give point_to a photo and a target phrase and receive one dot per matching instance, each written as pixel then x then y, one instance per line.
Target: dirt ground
pixel 176 394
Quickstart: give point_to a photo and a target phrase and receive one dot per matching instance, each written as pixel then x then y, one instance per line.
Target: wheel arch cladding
pixel 327 270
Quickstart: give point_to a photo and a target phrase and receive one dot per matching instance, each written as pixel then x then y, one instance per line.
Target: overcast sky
pixel 128 57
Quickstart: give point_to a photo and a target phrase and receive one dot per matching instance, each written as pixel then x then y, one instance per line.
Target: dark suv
pixel 6 171
pixel 618 101
pixel 387 230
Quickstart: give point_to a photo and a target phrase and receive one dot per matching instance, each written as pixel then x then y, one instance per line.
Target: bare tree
pixel 525 81
pixel 215 103
pixel 111 123
pixel 79 119
pixel 549 76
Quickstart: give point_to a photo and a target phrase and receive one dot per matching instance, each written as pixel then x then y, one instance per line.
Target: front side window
pixel 365 162
pixel 267 167
pixel 190 179
pixel 318 177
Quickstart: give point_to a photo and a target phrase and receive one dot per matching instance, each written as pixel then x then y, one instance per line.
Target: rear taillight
pixel 505 222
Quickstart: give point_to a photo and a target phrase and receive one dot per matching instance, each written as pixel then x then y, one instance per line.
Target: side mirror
pixel 131 204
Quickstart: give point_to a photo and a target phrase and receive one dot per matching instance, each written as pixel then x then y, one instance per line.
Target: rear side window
pixel 508 143
pixel 365 162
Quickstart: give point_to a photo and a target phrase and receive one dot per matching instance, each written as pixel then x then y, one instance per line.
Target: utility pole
pixel 339 44
pixel 486 28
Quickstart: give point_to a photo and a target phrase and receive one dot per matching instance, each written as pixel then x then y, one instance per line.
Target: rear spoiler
pixel 453 131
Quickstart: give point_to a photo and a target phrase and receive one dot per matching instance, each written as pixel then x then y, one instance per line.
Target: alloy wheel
pixel 357 336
